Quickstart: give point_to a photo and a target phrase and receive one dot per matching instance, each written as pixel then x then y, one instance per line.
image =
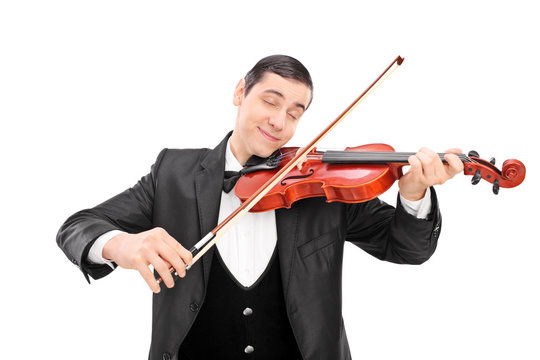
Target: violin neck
pixel 374 157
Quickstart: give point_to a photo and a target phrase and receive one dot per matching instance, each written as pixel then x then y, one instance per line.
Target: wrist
pixel 109 249
pixel 414 196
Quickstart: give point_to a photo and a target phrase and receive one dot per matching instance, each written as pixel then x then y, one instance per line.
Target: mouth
pixel 267 136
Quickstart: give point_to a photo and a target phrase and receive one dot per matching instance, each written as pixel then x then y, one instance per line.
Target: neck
pixel 374 157
pixel 236 148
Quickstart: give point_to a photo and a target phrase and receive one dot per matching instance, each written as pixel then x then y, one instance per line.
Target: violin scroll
pixel 513 171
pixel 511 175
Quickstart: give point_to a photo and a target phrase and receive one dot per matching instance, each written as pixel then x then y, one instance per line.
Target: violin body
pixel 347 182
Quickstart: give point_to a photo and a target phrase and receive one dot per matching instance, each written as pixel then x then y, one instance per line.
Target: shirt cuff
pixel 95 255
pixel 419 208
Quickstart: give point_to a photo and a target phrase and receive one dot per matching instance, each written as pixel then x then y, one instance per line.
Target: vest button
pixel 249 349
pixel 194 307
pixel 247 311
pixel 166 356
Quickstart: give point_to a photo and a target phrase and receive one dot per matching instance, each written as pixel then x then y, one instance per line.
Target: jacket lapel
pixel 208 185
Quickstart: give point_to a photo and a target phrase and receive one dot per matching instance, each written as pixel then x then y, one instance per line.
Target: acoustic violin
pixel 356 174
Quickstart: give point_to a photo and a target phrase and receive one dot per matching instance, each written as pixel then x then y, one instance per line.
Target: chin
pixel 264 154
pixel 264 151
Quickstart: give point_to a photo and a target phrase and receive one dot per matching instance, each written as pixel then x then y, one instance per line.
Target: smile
pixel 267 136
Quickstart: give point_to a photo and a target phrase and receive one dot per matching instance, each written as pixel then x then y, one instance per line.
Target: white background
pixel 91 91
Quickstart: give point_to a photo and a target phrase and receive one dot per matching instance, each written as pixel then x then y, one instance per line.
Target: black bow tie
pixel 229 180
pixel 254 163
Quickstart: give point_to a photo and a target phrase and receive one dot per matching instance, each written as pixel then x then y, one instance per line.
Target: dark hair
pixel 283 65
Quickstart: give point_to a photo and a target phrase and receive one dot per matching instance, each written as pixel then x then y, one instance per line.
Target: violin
pixel 356 174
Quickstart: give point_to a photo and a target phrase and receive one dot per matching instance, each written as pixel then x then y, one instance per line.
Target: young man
pixel 271 287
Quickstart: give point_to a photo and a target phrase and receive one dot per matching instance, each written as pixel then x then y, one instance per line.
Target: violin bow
pixel 213 236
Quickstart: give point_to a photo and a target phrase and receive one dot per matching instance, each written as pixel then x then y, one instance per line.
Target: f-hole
pixel 311 171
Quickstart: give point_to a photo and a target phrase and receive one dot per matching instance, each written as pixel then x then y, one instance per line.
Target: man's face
pixel 267 117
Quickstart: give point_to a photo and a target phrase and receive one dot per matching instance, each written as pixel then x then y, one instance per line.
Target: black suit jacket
pixel 182 195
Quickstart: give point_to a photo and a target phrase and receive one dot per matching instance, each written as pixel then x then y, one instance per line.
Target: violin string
pixel 400 156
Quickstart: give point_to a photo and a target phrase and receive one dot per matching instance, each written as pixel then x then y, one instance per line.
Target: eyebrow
pixel 275 92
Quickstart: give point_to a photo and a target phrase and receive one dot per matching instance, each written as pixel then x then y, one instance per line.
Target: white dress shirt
pixel 247 247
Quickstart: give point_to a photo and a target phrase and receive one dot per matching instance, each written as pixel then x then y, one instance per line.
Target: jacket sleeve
pixel 130 211
pixel 392 234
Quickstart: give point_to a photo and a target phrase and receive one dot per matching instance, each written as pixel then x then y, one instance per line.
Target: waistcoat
pixel 238 322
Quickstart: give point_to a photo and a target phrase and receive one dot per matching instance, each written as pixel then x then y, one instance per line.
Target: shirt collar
pixel 231 163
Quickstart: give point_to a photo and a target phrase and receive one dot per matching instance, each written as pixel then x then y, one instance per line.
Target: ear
pixel 239 92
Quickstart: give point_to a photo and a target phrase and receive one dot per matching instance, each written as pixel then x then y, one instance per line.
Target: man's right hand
pixel 153 247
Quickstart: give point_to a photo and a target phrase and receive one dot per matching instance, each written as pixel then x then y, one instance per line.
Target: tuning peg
pixel 496 186
pixel 492 161
pixel 473 154
pixel 476 177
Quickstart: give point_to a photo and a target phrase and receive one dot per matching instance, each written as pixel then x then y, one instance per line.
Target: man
pixel 271 288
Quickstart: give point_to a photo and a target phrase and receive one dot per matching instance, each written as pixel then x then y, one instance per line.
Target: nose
pixel 277 121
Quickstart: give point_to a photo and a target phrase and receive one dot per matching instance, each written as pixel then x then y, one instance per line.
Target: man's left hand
pixel 427 169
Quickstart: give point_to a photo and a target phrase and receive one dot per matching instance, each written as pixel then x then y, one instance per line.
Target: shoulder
pixel 185 155
pixel 179 160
